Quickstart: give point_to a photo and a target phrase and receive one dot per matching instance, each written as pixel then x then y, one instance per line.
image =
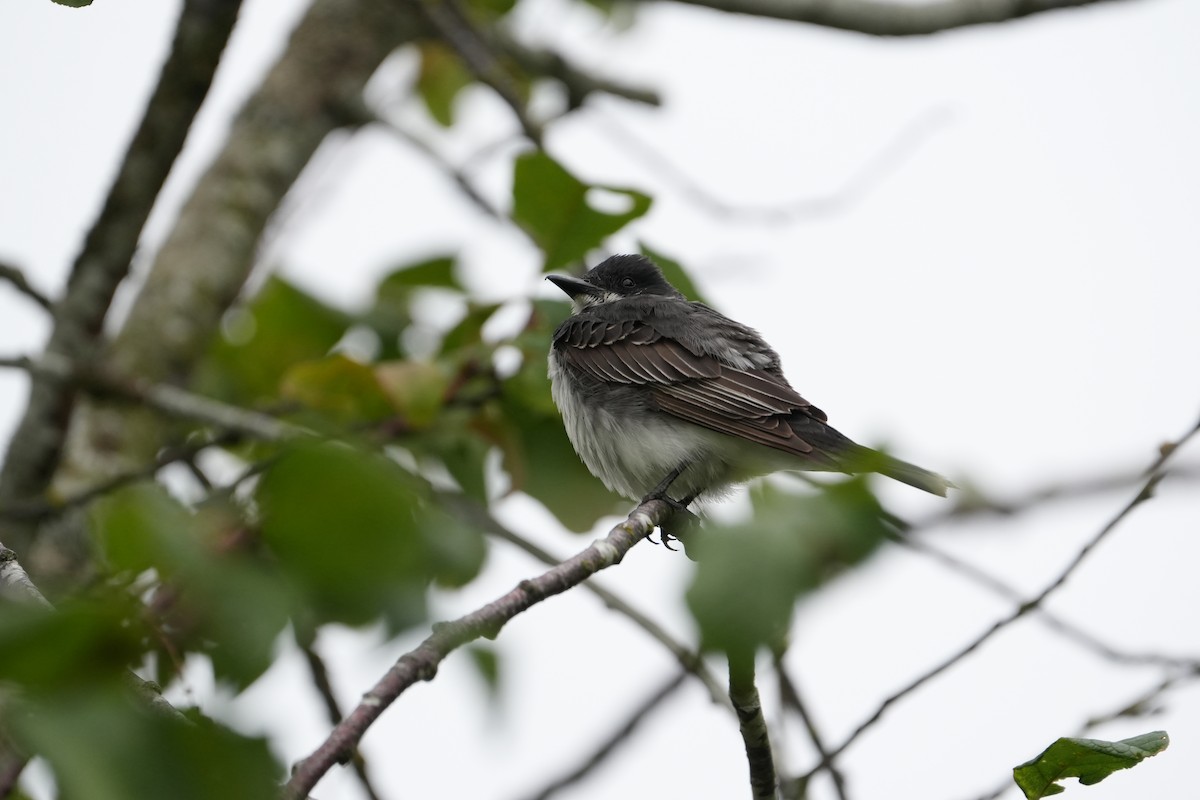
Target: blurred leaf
pixel 750 574
pixel 674 272
pixel 552 205
pixel 280 327
pixel 441 78
pixel 468 333
pixel 102 745
pixel 542 463
pixel 73 3
pixel 415 389
pixel 346 390
pixel 1089 760
pixel 358 536
pixel 437 273
pixel 342 523
pixel 141 526
pixel 222 604
pixel 75 645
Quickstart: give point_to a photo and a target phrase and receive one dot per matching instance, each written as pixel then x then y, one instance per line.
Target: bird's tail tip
pixel 911 474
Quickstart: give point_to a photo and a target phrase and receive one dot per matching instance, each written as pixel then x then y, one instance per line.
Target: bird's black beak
pixel 575 287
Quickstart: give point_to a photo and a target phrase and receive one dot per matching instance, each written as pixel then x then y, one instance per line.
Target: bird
pixel 665 398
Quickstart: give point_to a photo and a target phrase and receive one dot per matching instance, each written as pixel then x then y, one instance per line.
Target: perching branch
pixel 744 696
pixel 891 17
pixel 36 447
pixel 422 663
pixel 688 658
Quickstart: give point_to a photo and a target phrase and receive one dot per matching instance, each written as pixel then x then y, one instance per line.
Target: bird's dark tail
pixel 868 460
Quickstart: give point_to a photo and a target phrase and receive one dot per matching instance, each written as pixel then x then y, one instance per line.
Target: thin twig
pixel 1156 474
pixel 460 34
pixel 618 737
pixel 19 282
pixel 42 509
pixel 1048 618
pixel 421 664
pixel 792 699
pixel 306 640
pixel 753 725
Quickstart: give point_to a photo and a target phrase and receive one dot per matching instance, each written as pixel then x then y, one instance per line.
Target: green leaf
pixel 75 645
pixel 674 272
pixel 751 574
pixel 441 78
pixel 104 745
pixel 281 326
pixel 552 205
pixel 345 389
pixel 342 524
pixel 1089 760
pixel 415 389
pixel 358 536
pixel 436 273
pixel 142 526
pixel 73 3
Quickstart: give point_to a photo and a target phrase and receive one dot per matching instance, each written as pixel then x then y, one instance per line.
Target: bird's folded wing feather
pixel 751 404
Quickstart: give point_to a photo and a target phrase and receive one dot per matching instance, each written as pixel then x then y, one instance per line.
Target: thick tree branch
pixel 36 447
pixel 744 695
pixel 891 17
pixel 422 663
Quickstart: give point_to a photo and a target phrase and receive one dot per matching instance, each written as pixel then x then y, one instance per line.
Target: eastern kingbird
pixel 658 392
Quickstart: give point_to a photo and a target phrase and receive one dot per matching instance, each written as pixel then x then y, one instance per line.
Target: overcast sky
pixel 1008 296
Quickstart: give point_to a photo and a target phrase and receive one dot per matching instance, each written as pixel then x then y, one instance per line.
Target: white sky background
pixel 1013 303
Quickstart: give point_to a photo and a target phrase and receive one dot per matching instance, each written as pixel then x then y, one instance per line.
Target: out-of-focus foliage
pixel 1089 760
pixel 105 745
pixel 555 208
pixel 751 574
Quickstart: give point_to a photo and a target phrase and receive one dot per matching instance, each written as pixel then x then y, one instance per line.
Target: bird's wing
pixel 750 403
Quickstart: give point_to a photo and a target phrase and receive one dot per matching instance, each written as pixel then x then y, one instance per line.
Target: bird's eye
pixel 626 283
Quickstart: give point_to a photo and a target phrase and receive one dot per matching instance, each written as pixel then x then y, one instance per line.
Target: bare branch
pixel 36 447
pixel 167 399
pixel 688 658
pixel 1156 474
pixel 421 664
pixel 618 737
pixel 744 696
pixel 17 278
pixel 890 18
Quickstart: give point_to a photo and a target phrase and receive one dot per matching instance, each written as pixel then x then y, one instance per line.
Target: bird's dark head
pixel 616 278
